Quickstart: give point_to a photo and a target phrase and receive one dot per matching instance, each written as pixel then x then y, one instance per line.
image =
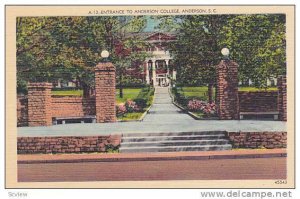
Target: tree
pixel 257 43
pixel 68 48
pixel 127 49
pixel 197 49
pixel 53 48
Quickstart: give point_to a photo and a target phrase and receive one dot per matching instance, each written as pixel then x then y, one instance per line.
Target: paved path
pixel 212 169
pixel 163 117
pixel 163 110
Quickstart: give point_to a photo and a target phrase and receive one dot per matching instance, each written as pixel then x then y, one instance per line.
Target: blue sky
pixel 151 23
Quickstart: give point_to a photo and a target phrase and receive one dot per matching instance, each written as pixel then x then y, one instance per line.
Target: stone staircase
pixel 171 142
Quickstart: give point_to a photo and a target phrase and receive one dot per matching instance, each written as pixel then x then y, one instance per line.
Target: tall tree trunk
pixel 86 90
pixel 210 92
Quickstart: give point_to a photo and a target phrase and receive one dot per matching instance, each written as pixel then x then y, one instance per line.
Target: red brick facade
pixel 39 104
pixel 67 144
pixel 258 101
pixel 105 89
pixel 227 90
pixel 282 98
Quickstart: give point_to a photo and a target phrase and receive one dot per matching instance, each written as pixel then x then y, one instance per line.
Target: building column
pixel 105 91
pixel 39 104
pixel 174 74
pixel 154 72
pixel 227 90
pixel 168 70
pixel 147 72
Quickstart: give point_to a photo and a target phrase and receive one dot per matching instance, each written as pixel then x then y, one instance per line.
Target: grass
pixel 130 116
pixel 253 89
pixel 66 93
pixel 201 91
pixel 128 93
pixel 190 92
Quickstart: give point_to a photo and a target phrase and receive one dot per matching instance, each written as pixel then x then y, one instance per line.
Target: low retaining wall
pixel 258 101
pixel 72 106
pixel 61 106
pixel 67 144
pixel 269 140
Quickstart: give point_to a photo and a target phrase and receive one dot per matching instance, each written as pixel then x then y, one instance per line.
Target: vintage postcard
pixel 150 96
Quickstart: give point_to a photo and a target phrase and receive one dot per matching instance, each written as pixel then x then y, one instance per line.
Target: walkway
pixel 163 110
pixel 162 117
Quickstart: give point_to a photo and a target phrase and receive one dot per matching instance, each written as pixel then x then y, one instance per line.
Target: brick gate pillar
pixel 39 104
pixel 282 99
pixel 227 90
pixel 105 90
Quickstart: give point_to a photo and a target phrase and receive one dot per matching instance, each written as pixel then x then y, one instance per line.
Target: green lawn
pixel 201 91
pixel 130 116
pixel 66 93
pixel 128 93
pixel 191 92
pixel 257 89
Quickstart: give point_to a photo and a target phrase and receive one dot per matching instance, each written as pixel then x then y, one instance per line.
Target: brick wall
pixel 72 106
pixel 227 90
pixel 39 104
pixel 282 98
pixel 67 144
pixel 105 89
pixel 267 140
pixel 22 111
pixel 258 101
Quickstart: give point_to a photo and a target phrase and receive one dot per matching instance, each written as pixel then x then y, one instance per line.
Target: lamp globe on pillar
pixel 104 55
pixel 225 53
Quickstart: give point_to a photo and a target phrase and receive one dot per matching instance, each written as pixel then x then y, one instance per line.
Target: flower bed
pixel 199 107
pixel 202 108
pixel 133 109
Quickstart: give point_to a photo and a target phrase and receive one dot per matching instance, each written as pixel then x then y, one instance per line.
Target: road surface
pixel 213 169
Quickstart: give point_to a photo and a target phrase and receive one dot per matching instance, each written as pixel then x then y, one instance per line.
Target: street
pixel 211 169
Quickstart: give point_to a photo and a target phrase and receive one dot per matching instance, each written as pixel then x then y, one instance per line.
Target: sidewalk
pixel 123 157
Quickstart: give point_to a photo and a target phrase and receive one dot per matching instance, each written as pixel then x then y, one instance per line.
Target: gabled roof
pixel 153 35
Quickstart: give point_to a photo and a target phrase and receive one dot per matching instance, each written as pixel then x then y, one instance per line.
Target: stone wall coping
pixel 246 92
pixel 40 85
pixel 105 66
pixel 227 63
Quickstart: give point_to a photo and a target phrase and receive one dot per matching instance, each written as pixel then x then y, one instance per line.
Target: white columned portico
pixel 154 72
pixel 168 70
pixel 147 72
pixel 174 74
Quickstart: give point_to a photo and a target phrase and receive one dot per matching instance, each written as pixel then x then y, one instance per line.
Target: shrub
pixel 131 82
pixel 121 109
pixel 201 106
pixel 145 97
pixel 131 106
pixel 141 103
pixel 196 105
pixel 210 109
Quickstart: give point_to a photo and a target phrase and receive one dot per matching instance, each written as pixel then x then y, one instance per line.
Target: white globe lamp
pixel 104 54
pixel 225 52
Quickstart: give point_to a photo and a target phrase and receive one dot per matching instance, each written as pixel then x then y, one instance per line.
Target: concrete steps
pixel 170 142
